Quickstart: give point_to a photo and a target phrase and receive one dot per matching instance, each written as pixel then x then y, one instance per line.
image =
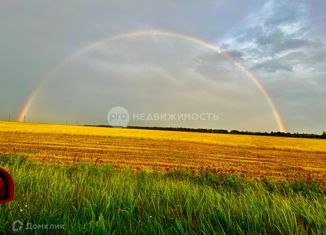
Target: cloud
pixel 235 53
pixel 282 42
pixel 274 36
pixel 284 13
pixel 284 45
pixel 279 41
pixel 273 66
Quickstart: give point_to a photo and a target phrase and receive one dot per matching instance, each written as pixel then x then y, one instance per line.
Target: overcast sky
pixel 281 42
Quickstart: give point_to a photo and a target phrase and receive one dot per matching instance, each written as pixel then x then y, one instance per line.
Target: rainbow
pixel 28 103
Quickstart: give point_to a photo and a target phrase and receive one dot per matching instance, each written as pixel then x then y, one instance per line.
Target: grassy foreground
pixel 90 199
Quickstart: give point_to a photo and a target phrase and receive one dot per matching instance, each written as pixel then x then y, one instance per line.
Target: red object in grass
pixel 2 188
pixel 6 187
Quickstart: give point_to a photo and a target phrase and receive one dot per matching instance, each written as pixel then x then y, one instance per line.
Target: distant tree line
pixel 235 132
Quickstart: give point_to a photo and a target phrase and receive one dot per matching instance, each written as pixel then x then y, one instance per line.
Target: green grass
pixel 90 199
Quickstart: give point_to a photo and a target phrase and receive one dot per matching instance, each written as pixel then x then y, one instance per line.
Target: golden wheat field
pixel 250 156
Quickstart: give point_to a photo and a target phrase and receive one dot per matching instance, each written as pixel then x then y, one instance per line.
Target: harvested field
pixel 249 156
